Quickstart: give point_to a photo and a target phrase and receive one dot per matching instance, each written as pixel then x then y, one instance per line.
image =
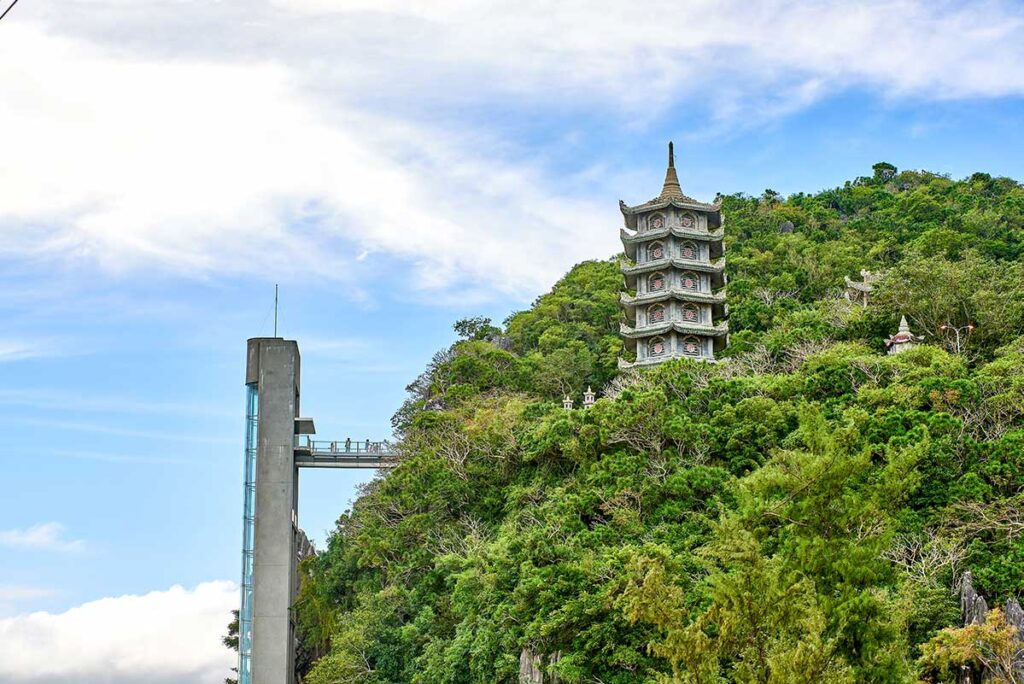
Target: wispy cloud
pixel 47 536
pixel 23 349
pixel 164 637
pixel 100 429
pixel 56 399
pixel 139 459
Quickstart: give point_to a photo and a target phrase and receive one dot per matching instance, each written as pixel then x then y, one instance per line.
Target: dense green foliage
pixel 798 513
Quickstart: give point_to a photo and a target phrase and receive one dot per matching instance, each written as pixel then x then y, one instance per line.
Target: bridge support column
pixel 273 367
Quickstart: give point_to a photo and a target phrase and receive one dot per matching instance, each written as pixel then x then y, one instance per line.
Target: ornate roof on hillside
pixel 903 336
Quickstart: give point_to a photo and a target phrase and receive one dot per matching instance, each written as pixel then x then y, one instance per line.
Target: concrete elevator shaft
pixel 266 627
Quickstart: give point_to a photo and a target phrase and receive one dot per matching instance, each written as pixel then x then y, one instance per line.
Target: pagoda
pixel 902 340
pixel 674 302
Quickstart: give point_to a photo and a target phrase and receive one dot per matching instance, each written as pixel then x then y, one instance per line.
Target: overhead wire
pixel 9 8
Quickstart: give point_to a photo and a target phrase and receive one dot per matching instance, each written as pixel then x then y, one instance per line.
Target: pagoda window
pixel 691 346
pixel 655 313
pixel 656 347
pixel 655 251
pixel 656 282
pixel 688 250
pixel 656 222
pixel 691 314
pixel 688 221
pixel 690 281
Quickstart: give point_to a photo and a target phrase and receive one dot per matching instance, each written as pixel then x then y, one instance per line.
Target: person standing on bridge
pixel 348 444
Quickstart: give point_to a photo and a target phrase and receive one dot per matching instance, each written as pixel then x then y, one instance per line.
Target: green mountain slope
pixel 797 513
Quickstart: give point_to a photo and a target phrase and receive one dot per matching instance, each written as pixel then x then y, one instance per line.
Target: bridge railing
pixel 350 447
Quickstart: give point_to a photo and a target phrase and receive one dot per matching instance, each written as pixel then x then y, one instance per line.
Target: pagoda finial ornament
pixel 671 189
pixel 674 302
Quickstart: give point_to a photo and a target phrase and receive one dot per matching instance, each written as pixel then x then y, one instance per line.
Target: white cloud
pixel 219 168
pixel 164 637
pixel 47 536
pixel 310 144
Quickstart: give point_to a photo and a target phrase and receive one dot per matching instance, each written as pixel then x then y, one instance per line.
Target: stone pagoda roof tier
pixel 630 214
pixel 678 231
pixel 719 330
pixel 672 293
pixel 630 242
pixel 716 266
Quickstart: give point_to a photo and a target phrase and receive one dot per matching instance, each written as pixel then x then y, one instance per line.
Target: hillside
pixel 798 513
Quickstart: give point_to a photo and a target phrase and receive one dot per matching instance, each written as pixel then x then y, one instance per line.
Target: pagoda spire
pixel 671 189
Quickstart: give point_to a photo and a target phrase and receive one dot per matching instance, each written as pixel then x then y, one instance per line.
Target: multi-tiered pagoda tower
pixel 675 277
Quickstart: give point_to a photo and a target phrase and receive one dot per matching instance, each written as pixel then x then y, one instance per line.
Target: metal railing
pixel 347 453
pixel 351 447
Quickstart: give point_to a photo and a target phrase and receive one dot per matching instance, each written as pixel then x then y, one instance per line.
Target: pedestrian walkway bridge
pixel 349 453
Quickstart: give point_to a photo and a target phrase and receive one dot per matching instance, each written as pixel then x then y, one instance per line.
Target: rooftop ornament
pixel 588 398
pixel 567 403
pixel 857 292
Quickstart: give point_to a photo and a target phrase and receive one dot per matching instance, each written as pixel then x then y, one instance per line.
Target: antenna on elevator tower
pixel 275 309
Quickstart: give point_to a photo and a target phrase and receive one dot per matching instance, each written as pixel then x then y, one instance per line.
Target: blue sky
pixel 393 168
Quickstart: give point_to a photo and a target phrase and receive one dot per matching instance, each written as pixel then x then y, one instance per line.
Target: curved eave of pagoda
pixel 629 214
pixel 903 338
pixel 646 331
pixel 672 293
pixel 631 333
pixel 716 266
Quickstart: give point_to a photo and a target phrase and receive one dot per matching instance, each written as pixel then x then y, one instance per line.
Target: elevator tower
pixel 277 444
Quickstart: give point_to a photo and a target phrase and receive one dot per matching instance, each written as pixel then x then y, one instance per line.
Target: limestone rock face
pixel 786 227
pixel 973 606
pixel 1015 616
pixel 529 668
pixel 532 665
